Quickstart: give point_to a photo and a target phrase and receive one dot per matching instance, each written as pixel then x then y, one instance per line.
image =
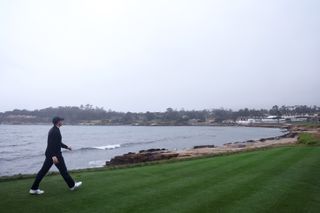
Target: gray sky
pixel 149 55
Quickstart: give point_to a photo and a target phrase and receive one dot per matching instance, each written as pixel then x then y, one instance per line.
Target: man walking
pixel 54 156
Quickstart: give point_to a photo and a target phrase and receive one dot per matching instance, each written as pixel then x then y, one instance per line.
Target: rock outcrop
pixel 142 156
pixel 204 146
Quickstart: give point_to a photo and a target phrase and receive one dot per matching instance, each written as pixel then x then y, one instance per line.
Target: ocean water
pixel 22 147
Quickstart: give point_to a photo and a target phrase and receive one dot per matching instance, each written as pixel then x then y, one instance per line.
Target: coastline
pixel 289 138
pixel 155 156
pixel 143 156
pixel 237 147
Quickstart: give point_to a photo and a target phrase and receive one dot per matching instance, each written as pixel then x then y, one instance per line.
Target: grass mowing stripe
pixel 277 186
pixel 164 178
pixel 246 182
pixel 184 186
pixel 166 169
pixel 156 170
pixel 223 186
pixel 114 177
pixel 174 182
pixel 267 192
pixel 134 198
pixel 305 186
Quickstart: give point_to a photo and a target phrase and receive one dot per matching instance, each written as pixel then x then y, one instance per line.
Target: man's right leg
pixel 43 171
pixel 64 172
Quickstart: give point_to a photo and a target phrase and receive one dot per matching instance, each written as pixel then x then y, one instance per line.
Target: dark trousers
pixel 45 168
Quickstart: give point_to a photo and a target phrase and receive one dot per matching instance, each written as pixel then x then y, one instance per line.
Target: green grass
pixel 308 139
pixel 285 179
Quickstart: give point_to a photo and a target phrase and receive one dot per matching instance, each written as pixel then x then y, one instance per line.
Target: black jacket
pixel 54 143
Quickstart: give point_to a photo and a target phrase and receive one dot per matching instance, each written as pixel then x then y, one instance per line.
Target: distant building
pixel 271 119
pixel 246 121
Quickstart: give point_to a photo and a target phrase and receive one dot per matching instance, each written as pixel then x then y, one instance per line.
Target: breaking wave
pixel 106 147
pixel 113 146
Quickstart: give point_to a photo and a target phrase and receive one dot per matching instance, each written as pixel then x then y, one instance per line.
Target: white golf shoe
pixel 36 192
pixel 76 185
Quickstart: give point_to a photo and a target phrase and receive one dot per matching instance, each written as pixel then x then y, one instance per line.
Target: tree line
pixel 88 114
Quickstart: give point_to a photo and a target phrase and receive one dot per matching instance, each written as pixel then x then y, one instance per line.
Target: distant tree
pixel 150 116
pixel 275 111
pixel 171 114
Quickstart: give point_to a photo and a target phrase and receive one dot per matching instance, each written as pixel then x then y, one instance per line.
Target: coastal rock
pixel 240 146
pixel 152 150
pixel 290 135
pixel 267 139
pixel 204 146
pixel 142 156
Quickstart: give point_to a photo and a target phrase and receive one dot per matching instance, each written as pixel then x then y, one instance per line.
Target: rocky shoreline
pixel 142 156
pixel 290 137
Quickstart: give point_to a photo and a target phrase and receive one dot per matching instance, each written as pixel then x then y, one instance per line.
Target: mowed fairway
pixel 285 179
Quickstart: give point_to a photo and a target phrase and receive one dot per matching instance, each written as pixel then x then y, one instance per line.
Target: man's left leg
pixel 64 172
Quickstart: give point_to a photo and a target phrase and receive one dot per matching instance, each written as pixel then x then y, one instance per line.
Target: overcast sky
pixel 150 55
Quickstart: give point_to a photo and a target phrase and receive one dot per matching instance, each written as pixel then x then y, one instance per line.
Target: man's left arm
pixel 62 144
pixel 65 146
